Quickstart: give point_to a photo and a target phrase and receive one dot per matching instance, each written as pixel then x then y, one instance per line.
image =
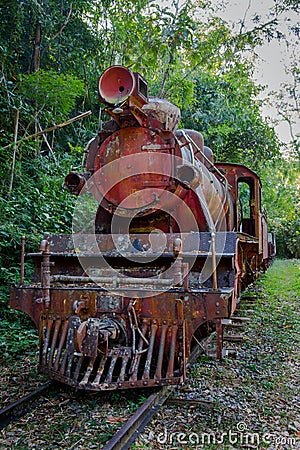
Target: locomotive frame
pixel 121 304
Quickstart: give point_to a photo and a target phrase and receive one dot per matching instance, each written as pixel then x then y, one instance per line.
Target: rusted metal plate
pixel 143 243
pixel 28 300
pixel 144 167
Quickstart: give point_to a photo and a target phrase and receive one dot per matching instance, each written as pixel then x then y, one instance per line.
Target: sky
pixel 273 57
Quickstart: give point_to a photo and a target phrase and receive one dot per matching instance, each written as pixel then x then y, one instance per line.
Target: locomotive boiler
pixel 160 252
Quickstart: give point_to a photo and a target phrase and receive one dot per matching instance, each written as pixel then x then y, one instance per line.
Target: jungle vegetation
pixel 52 53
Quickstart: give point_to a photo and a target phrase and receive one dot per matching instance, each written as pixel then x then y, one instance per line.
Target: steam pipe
pixel 45 269
pixel 214 261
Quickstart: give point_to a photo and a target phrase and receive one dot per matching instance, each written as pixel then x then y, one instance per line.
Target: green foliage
pixel 226 112
pixel 289 4
pixel 37 204
pixel 50 91
pixel 282 195
pixel 63 34
pixel 15 339
pixel 287 106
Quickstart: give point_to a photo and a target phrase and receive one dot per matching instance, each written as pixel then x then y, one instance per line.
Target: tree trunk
pixel 35 61
pixel 15 150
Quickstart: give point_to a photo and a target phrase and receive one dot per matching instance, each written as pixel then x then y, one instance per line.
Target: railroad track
pixel 129 432
pixel 126 435
pixel 23 405
pixel 121 440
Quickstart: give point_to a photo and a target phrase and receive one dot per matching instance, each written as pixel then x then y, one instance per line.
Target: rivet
pixel 217 312
pixel 217 304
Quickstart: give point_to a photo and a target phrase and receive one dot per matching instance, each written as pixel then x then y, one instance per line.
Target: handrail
pixel 191 141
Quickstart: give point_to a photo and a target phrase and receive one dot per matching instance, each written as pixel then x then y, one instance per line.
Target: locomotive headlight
pixel 116 84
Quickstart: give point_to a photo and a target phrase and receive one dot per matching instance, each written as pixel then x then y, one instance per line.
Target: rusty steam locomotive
pixel 160 252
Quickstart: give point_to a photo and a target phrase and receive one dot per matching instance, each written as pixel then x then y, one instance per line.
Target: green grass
pixel 18 336
pixel 282 279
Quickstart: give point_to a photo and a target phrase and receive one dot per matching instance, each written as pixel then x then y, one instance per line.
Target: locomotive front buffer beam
pixel 107 342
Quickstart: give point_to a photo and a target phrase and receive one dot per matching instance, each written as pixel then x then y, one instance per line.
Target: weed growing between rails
pixel 259 389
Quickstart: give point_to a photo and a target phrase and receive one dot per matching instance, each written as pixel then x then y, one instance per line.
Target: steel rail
pixel 129 432
pixel 22 406
pixel 126 435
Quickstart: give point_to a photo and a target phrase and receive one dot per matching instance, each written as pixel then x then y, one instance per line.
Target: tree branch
pixel 47 130
pixel 47 143
pixel 64 24
pixel 245 16
pixel 60 30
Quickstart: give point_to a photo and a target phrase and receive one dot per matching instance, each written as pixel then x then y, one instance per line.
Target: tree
pixel 288 109
pixel 226 111
pixel 281 194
